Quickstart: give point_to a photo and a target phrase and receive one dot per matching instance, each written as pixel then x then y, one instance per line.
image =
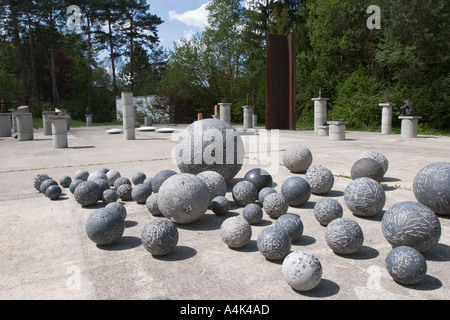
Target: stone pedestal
pixel 323 130
pixel 47 123
pixel 216 117
pixel 5 124
pixel 88 120
pixel 337 130
pixel 24 126
pixel 225 112
pixel 59 130
pixel 320 112
pixel 248 117
pixel 14 120
pixel 128 116
pixel 255 120
pixel 148 121
pixel 409 126
pixel 386 117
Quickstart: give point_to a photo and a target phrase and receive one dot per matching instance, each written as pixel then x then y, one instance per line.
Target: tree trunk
pixel 53 74
pixel 89 106
pixel 22 63
pixel 33 66
pixel 111 47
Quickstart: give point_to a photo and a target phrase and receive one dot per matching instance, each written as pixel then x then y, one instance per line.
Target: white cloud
pixel 197 18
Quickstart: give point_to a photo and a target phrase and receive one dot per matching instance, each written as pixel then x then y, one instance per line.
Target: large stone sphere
pixel 244 192
pixel 39 179
pixel 364 197
pixel 109 195
pixel 159 236
pixel 183 198
pixel 297 158
pixel 53 192
pixel 124 191
pixel 260 178
pixel 105 226
pixel 302 270
pixel 140 193
pixel 378 156
pixel 152 205
pixel 367 167
pixel 406 265
pixel 81 174
pixel 235 232
pixel 138 178
pixel 220 205
pixel 65 181
pixel 120 181
pixel 326 210
pixel 264 193
pixel 47 183
pixel 320 179
pixel 210 145
pixel 159 179
pixel 275 205
pixel 112 175
pixel 103 184
pixel 74 184
pixel 411 224
pixel 253 213
pixel 274 243
pixel 296 190
pixel 87 193
pixel 215 182
pixel 292 224
pixel 344 236
pixel 119 207
pixel 431 187
pixel 99 174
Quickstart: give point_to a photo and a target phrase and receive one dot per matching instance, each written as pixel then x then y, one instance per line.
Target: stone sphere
pixel 220 205
pixel 344 236
pixel 275 205
pixel 65 181
pixel 152 205
pixel 301 270
pixel 120 181
pixel 260 178
pixel 364 197
pixel 159 179
pixel 367 167
pixel 103 184
pixel 326 210
pixel 411 224
pixel 264 193
pixel 253 213
pixel 292 224
pixel 81 174
pixel 378 156
pixel 109 195
pixel 320 179
pixel 124 191
pixel 215 182
pixel 39 179
pixel 119 207
pixel 148 182
pixel 296 190
pixel 138 178
pixel 105 226
pixel 406 265
pixel 112 175
pixel 274 243
pixel 140 193
pixel 297 158
pixel 210 145
pixel 87 193
pixel 53 192
pixel 183 198
pixel 236 232
pixel 159 236
pixel 431 187
pixel 97 175
pixel 74 184
pixel 244 192
pixel 47 183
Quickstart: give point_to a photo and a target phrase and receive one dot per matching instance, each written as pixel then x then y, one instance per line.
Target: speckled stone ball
pixel 364 197
pixel 292 224
pixel 39 179
pixel 103 184
pixel 367 167
pixel 259 177
pixel 210 145
pixel 81 174
pixel 406 265
pixel 344 236
pixel 431 187
pixel 120 181
pixel 140 193
pixel 87 193
pixel 105 226
pixel 326 210
pixel 264 193
pixel 124 191
pixel 112 176
pixel 235 232
pixel 183 198
pixel 148 182
pixel 151 205
pixel 244 192
pixel 297 158
pixel 253 213
pixel 320 179
pixel 220 205
pixel 97 175
pixel 47 183
pixel 296 190
pixel 411 224
pixel 74 184
pixel 274 243
pixel 302 270
pixel 275 205
pixel 378 156
pixel 53 192
pixel 119 207
pixel 65 181
pixel 159 179
pixel 109 195
pixel 215 182
pixel 160 236
pixel 138 178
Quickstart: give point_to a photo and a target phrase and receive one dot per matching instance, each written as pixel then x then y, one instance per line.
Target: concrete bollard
pixel 255 120
pixel 14 119
pixel 320 112
pixel 336 130
pixel 5 124
pixel 88 120
pixel 225 112
pixel 128 116
pixel 386 117
pixel 46 122
pixel 148 121
pixel 248 117
pixel 24 126
pixel 59 130
pixel 410 126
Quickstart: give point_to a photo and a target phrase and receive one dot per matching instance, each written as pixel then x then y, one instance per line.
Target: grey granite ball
pixel 138 178
pixel 296 190
pixel 160 237
pixel 105 226
pixel 344 236
pixel 140 193
pixel 159 179
pixel 97 175
pixel 151 205
pixel 326 210
pixel 210 145
pixel 103 184
pixel 53 192
pixel 148 182
pixel 47 183
pixel 264 192
pixel 275 205
pixel 124 191
pixel 260 178
pixel 215 182
pixel 253 213
pixel 411 224
pixel 112 176
pixel 220 205
pixel 297 158
pixel 104 170
pixel 274 243
pixel 235 232
pixel 367 167
pixel 320 179
pixel 74 184
pixel 406 265
pixel 364 197
pixel 109 195
pixel 183 198
pixel 292 224
pixel 65 181
pixel 120 181
pixel 302 270
pixel 81 174
pixel 87 193
pixel 431 187
pixel 378 156
pixel 119 207
pixel 39 179
pixel 244 192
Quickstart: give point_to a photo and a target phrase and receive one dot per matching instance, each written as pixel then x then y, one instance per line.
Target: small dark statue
pixel 408 109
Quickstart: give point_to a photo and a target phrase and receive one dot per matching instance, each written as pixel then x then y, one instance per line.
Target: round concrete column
pixel 225 112
pixel 59 131
pixel 337 130
pixel 24 126
pixel 386 117
pixel 14 120
pixel 320 112
pixel 128 116
pixel 46 122
pixel 409 126
pixel 5 124
pixel 248 117
pixel 88 120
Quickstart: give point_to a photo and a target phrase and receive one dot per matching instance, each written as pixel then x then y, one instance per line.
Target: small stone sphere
pixel 103 184
pixel 364 197
pixel 65 181
pixel 124 191
pixel 112 175
pixel 236 232
pixel 140 193
pixel 53 192
pixel 74 184
pixel 81 174
pixel 292 224
pixel 302 270
pixel 109 195
pixel 406 265
pixel 264 193
pixel 97 175
pixel 260 178
pixel 159 236
pixel 344 236
pixel 411 224
pixel 138 178
pixel 152 205
pixel 47 183
pixel 120 181
pixel 253 213
pixel 148 182
pixel 275 205
pixel 87 193
pixel 159 179
pixel 39 179
pixel 183 198
pixel 367 167
pixel 104 170
pixel 297 158
pixel 296 190
pixel 244 192
pixel 105 226
pixel 119 207
pixel 326 210
pixel 274 243
pixel 320 179
pixel 220 205
pixel 431 187
pixel 215 182
pixel 378 156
